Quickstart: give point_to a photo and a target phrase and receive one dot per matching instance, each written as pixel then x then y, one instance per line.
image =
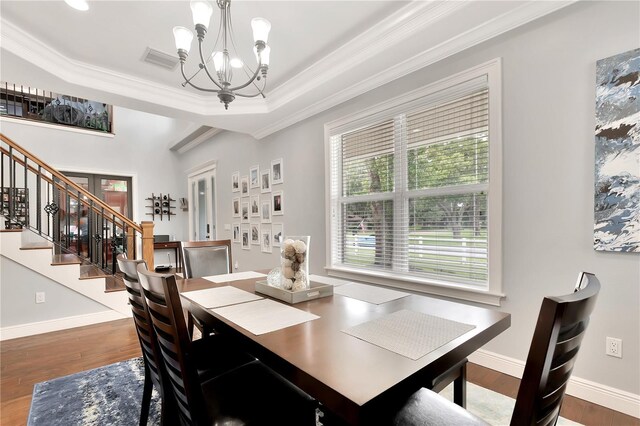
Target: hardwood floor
pixel 29 360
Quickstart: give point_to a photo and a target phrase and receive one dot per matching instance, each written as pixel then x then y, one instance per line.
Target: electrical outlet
pixel 40 297
pixel 614 347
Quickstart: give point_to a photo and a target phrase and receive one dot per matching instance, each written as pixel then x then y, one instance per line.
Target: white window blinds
pixel 409 193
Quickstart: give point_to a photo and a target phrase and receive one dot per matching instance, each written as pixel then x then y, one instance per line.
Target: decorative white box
pixel 316 291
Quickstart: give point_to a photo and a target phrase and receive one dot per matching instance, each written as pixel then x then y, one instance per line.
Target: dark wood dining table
pixel 352 378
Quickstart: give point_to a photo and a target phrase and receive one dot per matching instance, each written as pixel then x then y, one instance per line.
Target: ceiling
pixel 323 52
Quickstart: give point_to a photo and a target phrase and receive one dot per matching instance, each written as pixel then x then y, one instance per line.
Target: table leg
pixel 460 387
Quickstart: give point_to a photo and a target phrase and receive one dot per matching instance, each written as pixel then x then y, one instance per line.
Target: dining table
pixel 355 380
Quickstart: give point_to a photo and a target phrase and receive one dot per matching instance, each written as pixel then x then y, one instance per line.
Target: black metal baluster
pixel 68 216
pixel 12 182
pixel 113 244
pixel 90 226
pixel 49 217
pixel 39 201
pixel 102 239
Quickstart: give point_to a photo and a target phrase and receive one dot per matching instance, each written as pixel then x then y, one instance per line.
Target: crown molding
pixel 300 97
pixel 523 14
pixel 198 140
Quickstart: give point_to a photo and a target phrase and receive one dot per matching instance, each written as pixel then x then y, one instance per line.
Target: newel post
pixel 131 243
pixel 147 243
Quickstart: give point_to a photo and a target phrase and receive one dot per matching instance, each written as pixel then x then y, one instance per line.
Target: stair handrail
pixel 145 228
pixel 58 175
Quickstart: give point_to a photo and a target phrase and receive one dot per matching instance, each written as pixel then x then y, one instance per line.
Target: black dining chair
pixel 154 374
pixel 561 325
pixel 203 259
pixel 251 394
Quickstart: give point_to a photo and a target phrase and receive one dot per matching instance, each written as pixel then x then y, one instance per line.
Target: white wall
pixel 548 134
pixel 140 148
pixel 17 297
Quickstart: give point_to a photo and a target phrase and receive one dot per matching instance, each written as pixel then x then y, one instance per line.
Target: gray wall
pixel 17 297
pixel 548 137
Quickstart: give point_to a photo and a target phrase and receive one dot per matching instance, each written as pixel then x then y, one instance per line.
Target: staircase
pixel 60 230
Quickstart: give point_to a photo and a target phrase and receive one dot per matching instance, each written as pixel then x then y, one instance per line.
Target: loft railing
pixel 38 197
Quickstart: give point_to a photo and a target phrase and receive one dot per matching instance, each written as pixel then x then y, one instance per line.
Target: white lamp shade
pixel 266 52
pixel 218 60
pixel 236 63
pixel 261 28
pixel 202 11
pixel 183 37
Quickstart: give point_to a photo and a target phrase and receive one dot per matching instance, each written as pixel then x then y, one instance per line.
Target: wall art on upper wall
pixel 236 206
pixel 244 186
pixel 254 179
pixel 265 181
pixel 277 175
pixel 617 156
pixel 235 182
pixel 236 232
pixel 278 234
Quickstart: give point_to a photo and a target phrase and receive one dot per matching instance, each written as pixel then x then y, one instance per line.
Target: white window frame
pixel 491 75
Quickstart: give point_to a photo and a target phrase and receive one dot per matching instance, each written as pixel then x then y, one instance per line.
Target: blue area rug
pixel 109 395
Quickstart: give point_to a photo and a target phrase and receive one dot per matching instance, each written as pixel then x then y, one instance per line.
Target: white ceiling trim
pixel 499 25
pixel 396 28
pixel 405 23
pixel 22 44
pixel 197 141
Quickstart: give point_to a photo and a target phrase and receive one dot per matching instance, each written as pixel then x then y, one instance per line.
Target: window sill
pixel 56 127
pixel 418 285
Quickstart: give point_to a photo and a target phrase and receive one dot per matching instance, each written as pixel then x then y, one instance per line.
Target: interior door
pixel 202 199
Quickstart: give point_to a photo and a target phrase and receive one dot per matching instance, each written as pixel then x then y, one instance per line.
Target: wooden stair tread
pixel 66 259
pixel 11 230
pixel 114 283
pixel 36 246
pixel 88 272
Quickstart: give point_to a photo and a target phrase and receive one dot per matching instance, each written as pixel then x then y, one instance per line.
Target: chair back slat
pixel 144 329
pixel 206 258
pixel 163 301
pixel 556 340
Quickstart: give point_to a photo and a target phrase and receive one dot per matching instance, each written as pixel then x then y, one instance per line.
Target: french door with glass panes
pixel 74 220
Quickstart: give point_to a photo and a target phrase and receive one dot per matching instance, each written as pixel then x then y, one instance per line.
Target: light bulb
pixel 202 11
pixel 266 52
pixel 236 63
pixel 183 37
pixel 218 60
pixel 78 4
pixel 261 28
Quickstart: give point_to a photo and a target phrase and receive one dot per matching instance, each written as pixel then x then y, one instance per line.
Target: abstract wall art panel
pixel 617 154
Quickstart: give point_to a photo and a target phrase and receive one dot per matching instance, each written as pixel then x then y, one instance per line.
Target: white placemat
pixel 369 293
pixel 221 296
pixel 408 333
pixel 327 280
pixel 237 276
pixel 264 316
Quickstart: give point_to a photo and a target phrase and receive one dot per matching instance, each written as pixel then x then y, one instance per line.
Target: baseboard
pixel 23 330
pixel 596 393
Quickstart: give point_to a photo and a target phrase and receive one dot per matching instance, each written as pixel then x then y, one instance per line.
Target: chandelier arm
pixel 187 81
pixel 251 80
pixel 204 65
pixel 260 91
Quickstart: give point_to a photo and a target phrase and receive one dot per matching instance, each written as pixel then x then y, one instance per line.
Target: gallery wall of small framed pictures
pixel 257 200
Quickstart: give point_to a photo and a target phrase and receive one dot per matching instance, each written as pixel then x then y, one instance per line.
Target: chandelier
pixel 223 61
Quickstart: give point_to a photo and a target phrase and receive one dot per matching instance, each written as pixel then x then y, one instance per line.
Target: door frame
pixel 210 168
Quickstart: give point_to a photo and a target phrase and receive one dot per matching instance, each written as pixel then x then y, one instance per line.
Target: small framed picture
pixel 254 177
pixel 236 232
pixel 278 234
pixel 245 212
pixel 265 181
pixel 255 206
pixel 255 234
pixel 278 200
pixel 276 172
pixel 265 212
pixel 235 182
pixel 236 206
pixel 245 237
pixel 266 239
pixel 244 186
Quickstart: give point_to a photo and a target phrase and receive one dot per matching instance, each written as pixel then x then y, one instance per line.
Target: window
pixel 414 189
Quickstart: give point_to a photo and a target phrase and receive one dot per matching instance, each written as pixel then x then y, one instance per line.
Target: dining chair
pixel 249 394
pixel 154 374
pixel 561 325
pixel 203 259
